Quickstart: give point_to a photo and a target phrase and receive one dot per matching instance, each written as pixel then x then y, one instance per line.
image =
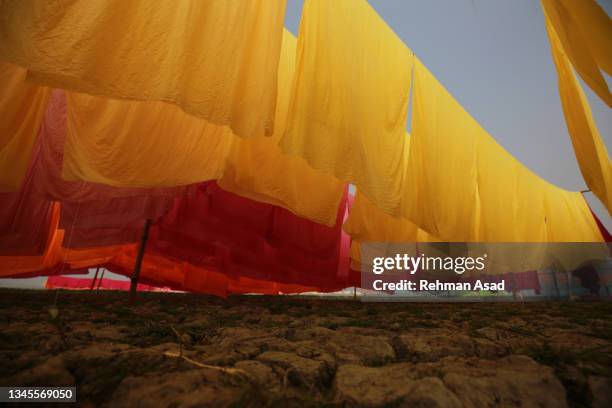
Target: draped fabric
pixel 216 59
pixel 55 257
pixel 104 145
pixel 221 231
pixel 585 34
pixel 140 144
pixel 212 241
pixel 161 271
pixel 349 99
pixel 477 192
pixel 48 163
pixel 589 147
pixel 22 107
pixel 256 168
pixel 109 222
pixel 24 221
pixel 367 223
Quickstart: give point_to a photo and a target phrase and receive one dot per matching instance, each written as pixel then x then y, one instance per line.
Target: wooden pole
pixel 554 276
pixel 93 282
pixel 100 280
pixel 139 256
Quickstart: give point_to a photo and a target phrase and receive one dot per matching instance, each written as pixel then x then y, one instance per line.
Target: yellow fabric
pixel 585 34
pixel 257 168
pixel 140 144
pixel 596 28
pixel 349 99
pixel 216 59
pixel 155 144
pixel 22 107
pixel 367 223
pixel 589 147
pixel 466 187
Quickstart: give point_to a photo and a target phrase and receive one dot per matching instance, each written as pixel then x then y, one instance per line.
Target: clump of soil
pixel 190 350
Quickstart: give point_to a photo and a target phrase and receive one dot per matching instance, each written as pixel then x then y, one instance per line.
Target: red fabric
pixel 69 282
pixel 224 232
pixel 25 220
pixel 211 241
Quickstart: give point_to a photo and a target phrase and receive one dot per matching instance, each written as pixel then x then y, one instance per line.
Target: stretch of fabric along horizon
pixel 245 173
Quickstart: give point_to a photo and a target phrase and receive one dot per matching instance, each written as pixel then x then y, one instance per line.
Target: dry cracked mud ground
pixel 191 350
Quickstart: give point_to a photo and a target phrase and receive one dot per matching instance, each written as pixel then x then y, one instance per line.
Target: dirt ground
pixel 190 350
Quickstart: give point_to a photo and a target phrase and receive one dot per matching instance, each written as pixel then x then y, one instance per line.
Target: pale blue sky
pixel 494 57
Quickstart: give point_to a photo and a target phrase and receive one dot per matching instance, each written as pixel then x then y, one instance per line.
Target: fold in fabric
pixel 585 34
pixel 216 59
pixel 256 167
pixel 367 223
pixel 464 187
pixel 349 99
pixel 140 144
pixel 22 107
pixel 589 148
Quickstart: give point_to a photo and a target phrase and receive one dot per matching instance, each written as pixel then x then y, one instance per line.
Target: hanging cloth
pixel 584 32
pixel 465 187
pixel 216 59
pixel 589 147
pixel 349 98
pixel 22 107
pixel 258 169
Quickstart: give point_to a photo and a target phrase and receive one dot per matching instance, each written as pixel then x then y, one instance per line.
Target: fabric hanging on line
pixel 367 223
pixel 55 259
pixel 112 222
pixel 116 212
pixel 24 221
pixel 584 33
pixel 22 107
pixel 47 167
pixel 140 144
pixel 589 148
pixel 257 168
pixel 216 59
pixel 239 237
pixel 177 275
pixel 104 145
pixel 476 191
pixel 349 99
